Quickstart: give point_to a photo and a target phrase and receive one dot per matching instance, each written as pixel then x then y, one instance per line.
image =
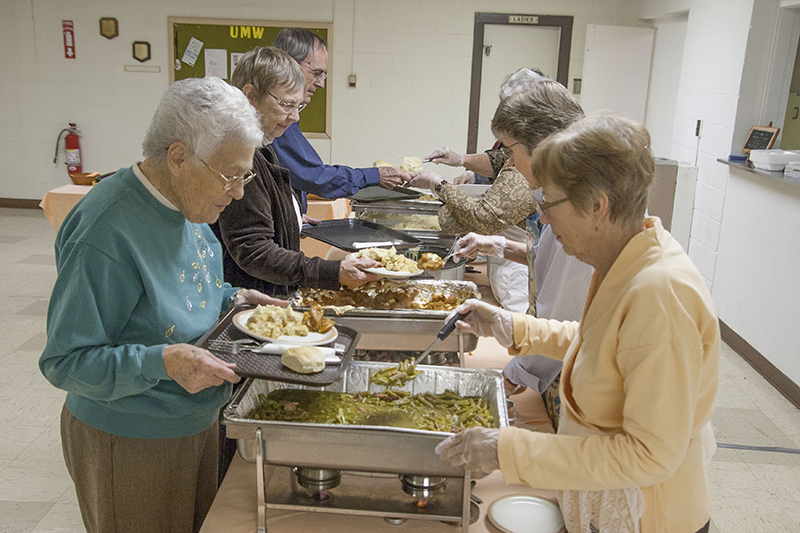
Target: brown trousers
pixel 140 485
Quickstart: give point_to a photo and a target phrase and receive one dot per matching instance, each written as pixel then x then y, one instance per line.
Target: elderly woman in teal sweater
pixel 139 280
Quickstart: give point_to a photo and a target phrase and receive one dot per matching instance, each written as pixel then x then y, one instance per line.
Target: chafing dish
pixel 406 329
pixel 313 459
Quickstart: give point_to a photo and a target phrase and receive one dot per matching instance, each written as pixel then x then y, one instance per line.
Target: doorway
pixel 502 44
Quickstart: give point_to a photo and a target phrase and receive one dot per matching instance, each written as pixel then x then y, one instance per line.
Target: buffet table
pixel 235 507
pixel 58 202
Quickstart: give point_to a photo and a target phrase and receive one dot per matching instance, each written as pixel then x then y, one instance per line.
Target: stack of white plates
pixel 526 514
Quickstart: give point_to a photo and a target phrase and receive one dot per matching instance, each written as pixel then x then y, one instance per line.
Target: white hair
pixel 516 81
pixel 204 114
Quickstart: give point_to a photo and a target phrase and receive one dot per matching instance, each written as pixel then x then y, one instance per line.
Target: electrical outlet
pixel 351 81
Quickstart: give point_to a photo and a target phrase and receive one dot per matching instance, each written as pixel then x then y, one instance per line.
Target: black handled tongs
pixel 443 334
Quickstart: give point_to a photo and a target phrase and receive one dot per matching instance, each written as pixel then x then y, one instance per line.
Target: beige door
pixel 511 47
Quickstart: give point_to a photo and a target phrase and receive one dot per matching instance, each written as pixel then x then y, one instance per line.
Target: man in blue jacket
pixel 309 173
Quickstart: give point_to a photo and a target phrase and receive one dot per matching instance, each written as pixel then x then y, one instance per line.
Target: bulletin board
pixel 200 47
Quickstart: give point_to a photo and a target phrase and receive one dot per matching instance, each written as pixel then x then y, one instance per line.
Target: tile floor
pixel 752 491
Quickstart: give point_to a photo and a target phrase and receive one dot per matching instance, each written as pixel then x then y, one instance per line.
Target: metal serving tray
pixel 403 207
pixel 267 366
pixel 352 235
pixel 361 448
pixel 376 193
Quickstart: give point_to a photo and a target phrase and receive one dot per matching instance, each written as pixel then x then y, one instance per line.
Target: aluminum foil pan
pixel 416 298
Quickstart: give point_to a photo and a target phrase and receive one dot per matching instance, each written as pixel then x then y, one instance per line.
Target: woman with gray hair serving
pixel 261 232
pixel 640 368
pixel 139 280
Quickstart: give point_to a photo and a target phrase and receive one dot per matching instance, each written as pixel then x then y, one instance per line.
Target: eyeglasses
pixel 544 205
pixel 318 73
pixel 230 183
pixel 507 149
pixel 287 107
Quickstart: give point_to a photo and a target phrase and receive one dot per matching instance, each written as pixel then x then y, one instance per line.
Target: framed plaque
pixel 141 51
pixel 109 28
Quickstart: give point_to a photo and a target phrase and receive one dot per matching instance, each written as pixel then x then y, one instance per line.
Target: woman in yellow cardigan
pixel 640 368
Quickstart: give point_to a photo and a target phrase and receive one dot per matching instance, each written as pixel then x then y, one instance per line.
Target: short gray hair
pixel 298 42
pixel 266 68
pixel 516 81
pixel 204 114
pixel 539 109
pixel 603 152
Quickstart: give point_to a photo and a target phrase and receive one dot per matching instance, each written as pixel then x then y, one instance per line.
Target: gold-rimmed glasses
pixel 544 205
pixel 233 181
pixel 286 106
pixel 507 149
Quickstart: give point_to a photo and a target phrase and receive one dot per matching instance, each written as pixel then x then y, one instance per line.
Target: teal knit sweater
pixel 133 276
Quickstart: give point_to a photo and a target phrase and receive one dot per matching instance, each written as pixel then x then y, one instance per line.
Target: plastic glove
pixel 486 320
pixel 466 177
pixel 446 156
pixel 425 179
pixel 392 177
pixel 472 244
pixel 475 448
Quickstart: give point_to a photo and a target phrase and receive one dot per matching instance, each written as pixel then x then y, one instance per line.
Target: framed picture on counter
pixel 760 138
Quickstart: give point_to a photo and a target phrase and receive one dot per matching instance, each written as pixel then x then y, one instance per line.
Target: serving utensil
pixel 443 334
pixel 269 348
pixel 451 252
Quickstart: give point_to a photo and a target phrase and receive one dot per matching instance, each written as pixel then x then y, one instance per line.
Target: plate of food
pixel 394 265
pixel 284 325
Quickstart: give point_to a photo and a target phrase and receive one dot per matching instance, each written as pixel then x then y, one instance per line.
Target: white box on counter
pixel 773 160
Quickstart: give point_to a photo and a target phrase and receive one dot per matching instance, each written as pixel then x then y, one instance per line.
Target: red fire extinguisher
pixel 72 147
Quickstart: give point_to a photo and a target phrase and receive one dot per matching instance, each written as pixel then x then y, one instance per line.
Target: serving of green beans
pixel 447 412
pixel 396 376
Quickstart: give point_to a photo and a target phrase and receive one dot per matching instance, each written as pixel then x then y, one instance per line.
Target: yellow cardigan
pixel 642 364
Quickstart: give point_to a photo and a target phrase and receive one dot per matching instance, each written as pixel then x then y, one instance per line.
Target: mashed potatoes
pixel 273 321
pixel 411 164
pixel 390 259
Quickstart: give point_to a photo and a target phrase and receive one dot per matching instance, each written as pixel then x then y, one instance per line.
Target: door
pixel 616 69
pixel 512 41
pixel 508 48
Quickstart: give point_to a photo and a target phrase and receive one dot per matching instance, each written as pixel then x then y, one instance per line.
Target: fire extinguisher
pixel 72 147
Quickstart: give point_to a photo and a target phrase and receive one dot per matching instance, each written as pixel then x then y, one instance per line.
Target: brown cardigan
pixel 261 237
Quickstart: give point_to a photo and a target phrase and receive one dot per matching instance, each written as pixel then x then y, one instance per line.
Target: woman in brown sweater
pixel 261 232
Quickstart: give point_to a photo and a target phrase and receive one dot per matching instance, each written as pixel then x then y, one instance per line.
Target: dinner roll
pixel 304 359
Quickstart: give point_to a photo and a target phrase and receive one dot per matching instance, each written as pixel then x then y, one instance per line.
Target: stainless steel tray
pixel 361 448
pixel 416 207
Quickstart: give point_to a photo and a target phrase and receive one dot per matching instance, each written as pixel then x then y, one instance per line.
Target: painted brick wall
pixel 412 58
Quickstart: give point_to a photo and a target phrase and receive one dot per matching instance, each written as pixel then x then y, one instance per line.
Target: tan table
pixel 235 507
pixel 58 202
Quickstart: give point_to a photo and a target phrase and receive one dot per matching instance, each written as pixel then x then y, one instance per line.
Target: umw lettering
pixel 246 32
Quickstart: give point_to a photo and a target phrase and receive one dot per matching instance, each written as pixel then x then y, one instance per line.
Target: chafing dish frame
pixel 358 448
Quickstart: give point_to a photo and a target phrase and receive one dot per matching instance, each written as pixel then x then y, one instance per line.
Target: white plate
pixel 385 273
pixel 312 339
pixel 523 514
